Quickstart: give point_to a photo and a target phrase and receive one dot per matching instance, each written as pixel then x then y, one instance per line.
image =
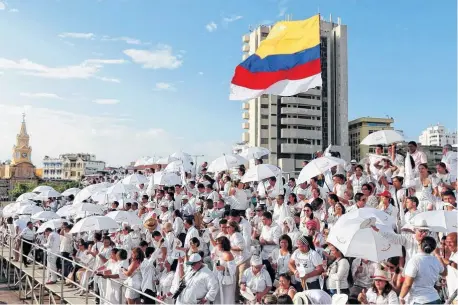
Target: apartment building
pixel 437 135
pixel 71 166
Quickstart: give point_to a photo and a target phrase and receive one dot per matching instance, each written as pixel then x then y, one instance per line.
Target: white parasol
pixel 318 167
pixel 94 223
pixel 44 216
pixel 26 196
pixel 438 221
pixel 251 153
pixel 226 162
pixel 42 188
pixel 166 160
pixel 382 137
pixel 71 191
pixel 135 179
pixel 124 216
pixel 356 238
pixel 52 224
pixel 260 172
pixel 167 179
pixel 29 209
pixel 48 194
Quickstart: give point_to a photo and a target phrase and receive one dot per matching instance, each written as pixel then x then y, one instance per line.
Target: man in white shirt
pixel 419 157
pixel 269 240
pixel 52 246
pixel 66 246
pixel 27 235
pixel 450 159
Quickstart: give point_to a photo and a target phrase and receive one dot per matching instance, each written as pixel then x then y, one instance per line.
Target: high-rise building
pixel 360 128
pixel 437 135
pixel 294 128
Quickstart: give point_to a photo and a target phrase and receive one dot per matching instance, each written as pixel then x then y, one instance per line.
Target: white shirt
pixel 27 234
pixel 53 243
pixel 66 243
pixel 374 298
pixel 450 160
pixel 203 284
pixel 270 233
pixel 148 274
pixel 419 157
pixel 192 232
pixel 425 270
pixel 338 274
pixel 237 240
pixel 245 228
pixel 363 278
pixel 307 262
pixel 256 282
pixel 405 239
pixel 318 296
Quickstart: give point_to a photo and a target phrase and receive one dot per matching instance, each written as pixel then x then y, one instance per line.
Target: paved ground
pixel 8 296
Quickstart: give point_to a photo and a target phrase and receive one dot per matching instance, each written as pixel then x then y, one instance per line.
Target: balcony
pixel 246 38
pixel 302 122
pixel 292 133
pixel 245 115
pixel 300 100
pixel 246 48
pixel 300 111
pixel 245 137
pixel 245 106
pixel 245 125
pixel 299 148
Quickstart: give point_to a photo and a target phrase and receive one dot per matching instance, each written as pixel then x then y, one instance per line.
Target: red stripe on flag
pixel 263 80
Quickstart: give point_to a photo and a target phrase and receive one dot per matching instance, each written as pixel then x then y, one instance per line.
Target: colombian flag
pixel 286 63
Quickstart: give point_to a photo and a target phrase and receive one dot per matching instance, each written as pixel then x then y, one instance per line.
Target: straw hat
pixel 151 223
pixel 380 274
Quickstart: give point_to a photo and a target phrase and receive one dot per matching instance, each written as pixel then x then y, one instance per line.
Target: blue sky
pixel 159 71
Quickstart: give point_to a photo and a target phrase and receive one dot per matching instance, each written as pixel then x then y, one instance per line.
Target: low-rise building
pixel 52 168
pixel 77 165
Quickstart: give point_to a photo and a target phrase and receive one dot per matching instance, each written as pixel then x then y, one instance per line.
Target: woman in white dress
pixel 424 189
pixel 279 258
pixel 225 269
pixel 134 276
pixel 106 269
pixel 113 292
pixel 442 180
pixel 358 179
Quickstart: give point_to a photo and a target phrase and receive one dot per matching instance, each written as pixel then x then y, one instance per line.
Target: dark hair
pixel 149 251
pixel 414 199
pixel 225 243
pixel 316 203
pixel 368 186
pixel 195 241
pixel 428 244
pixel 234 225
pixel 140 256
pixel 412 143
pixel 288 239
pixel 310 207
pixel 333 197
pixel 285 299
pixel 448 193
pixel 341 205
pixel 360 167
pixel 98 236
pixel 122 254
pixel 294 197
pixel 267 215
pixel 143 243
pixel 400 179
pixel 358 196
pixel 386 290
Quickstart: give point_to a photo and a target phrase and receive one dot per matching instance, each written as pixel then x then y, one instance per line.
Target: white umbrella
pixel 121 188
pixel 87 207
pixel 251 153
pixel 89 190
pixel 381 217
pixel 65 211
pixel 226 162
pixel 182 156
pixel 135 179
pixel 94 223
pixel 26 196
pixel 29 209
pixel 167 179
pixel 42 188
pixel 438 221
pixel 48 194
pixel 260 172
pixel 71 191
pixel 52 224
pixel 383 137
pixel 356 238
pixel 11 209
pixel 166 160
pixel 176 166
pixel 124 216
pixel 44 216
pixel 151 161
pixel 317 167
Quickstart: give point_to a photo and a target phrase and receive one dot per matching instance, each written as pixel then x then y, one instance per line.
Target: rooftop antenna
pixel 330 18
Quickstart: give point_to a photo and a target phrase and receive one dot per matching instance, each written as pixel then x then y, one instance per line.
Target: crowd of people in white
pixel 215 239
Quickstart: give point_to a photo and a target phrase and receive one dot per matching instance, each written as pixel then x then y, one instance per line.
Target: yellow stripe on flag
pixel 289 37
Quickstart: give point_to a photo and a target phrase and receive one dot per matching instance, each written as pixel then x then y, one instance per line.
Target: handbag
pixel 227 278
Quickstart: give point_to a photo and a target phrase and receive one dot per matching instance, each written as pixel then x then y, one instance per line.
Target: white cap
pixel 353 161
pixel 194 258
pixel 301 191
pixel 185 197
pixel 255 260
pixel 164 204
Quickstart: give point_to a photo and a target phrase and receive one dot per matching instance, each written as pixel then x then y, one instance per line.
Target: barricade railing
pixel 8 240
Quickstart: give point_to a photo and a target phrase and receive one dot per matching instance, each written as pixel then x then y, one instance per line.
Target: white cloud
pixel 128 40
pixel 201 73
pixel 161 57
pixel 2 6
pixel 106 101
pixel 13 10
pixel 41 95
pixel 85 70
pixel 227 20
pixel 107 79
pixel 162 86
pixel 104 136
pixel 77 35
pixel 211 26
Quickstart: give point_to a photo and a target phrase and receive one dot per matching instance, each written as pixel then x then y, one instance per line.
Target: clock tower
pixel 22 151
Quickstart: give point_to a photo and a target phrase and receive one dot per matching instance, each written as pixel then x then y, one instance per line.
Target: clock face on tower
pixel 24 155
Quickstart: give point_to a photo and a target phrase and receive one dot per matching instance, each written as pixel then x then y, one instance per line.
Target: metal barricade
pixel 32 285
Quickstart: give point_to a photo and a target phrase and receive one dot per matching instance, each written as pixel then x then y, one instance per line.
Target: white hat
pixel 255 260
pixel 125 224
pixel 164 204
pixel 150 205
pixel 185 197
pixel 380 274
pixel 301 191
pixel 353 161
pixel 194 258
pixel 300 298
pixel 420 224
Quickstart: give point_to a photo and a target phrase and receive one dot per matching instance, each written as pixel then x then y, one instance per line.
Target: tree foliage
pixel 59 186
